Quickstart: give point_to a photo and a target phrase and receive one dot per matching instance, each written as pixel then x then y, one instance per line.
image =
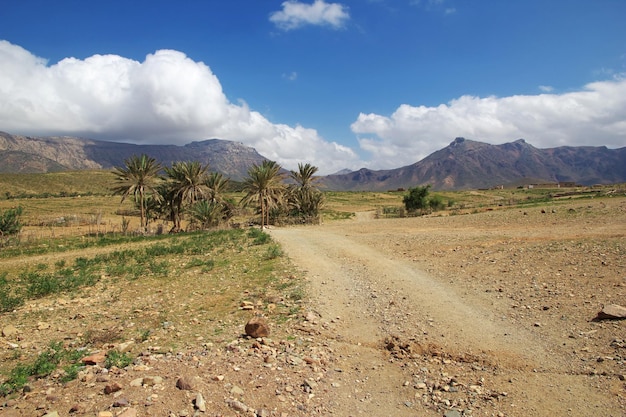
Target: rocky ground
pixel 483 314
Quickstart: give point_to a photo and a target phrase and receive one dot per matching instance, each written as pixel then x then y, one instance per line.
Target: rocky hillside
pixel 466 164
pixel 48 154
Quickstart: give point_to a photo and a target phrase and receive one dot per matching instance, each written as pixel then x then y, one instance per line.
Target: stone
pixel 95 359
pixel 612 312
pixel 150 381
pixel 125 347
pixel 257 327
pixel 184 383
pixel 131 412
pixel 238 406
pixel 311 316
pixel 52 414
pixel 137 382
pixel 105 414
pixel 9 331
pixel 111 388
pixel 452 413
pixel 235 390
pixel 199 403
pixel 121 402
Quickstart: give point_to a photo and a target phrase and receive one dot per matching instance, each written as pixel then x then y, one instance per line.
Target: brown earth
pixel 482 314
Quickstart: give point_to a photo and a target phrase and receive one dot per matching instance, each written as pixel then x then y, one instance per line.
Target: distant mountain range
pixel 467 164
pixel 464 164
pixel 48 154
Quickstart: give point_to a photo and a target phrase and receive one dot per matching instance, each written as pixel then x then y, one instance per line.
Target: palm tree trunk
pixel 142 209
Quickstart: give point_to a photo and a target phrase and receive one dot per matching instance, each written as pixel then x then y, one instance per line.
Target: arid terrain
pixel 488 313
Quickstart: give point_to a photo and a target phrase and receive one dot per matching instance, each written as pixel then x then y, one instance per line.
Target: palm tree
pixel 304 198
pixel 217 186
pixel 187 182
pixel 304 175
pixel 208 213
pixel 138 178
pixel 264 185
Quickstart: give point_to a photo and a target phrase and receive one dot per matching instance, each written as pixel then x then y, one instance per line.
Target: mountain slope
pixel 46 154
pixel 466 164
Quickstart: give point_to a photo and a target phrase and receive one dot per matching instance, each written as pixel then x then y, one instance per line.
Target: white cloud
pixel 546 88
pixel 595 115
pixel 167 98
pixel 296 14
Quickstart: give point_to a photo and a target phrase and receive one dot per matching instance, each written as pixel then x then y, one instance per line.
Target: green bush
pixel 416 199
pixel 117 359
pixel 259 237
pixel 8 300
pixel 10 221
pixel 436 203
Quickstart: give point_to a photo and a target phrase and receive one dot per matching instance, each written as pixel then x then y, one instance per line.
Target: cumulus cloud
pixel 296 14
pixel 594 115
pixel 167 98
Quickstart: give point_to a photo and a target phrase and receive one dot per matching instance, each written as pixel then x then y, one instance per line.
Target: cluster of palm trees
pixel 188 188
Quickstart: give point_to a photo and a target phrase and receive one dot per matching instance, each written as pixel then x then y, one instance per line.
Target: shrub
pixel 416 199
pixel 117 359
pixel 259 237
pixel 10 221
pixel 436 203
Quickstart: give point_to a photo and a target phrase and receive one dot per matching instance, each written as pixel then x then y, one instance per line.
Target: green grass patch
pixel 42 366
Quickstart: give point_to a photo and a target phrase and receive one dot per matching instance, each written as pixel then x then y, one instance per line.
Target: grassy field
pixel 81 203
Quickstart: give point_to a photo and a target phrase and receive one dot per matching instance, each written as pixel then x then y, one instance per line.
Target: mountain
pixel 467 164
pixel 464 164
pixel 47 154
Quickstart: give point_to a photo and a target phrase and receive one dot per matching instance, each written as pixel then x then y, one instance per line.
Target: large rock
pixel 257 327
pixel 612 312
pixel 9 331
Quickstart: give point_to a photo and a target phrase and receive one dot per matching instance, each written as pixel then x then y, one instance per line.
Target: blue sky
pixel 340 84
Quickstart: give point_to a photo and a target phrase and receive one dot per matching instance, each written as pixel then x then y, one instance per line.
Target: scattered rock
pixel 184 383
pixel 9 331
pixel 257 327
pixel 121 402
pixel 235 390
pixel 199 403
pixel 238 406
pixel 131 412
pixel 111 388
pixel 95 359
pixel 612 312
pixel 150 381
pixel 43 325
pixel 125 347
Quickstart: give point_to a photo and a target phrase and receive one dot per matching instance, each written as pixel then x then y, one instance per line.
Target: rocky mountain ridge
pixel 463 164
pixel 48 154
pixel 466 164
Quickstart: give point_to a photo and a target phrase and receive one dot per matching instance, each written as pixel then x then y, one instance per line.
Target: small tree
pixel 416 199
pixel 10 221
pixel 436 203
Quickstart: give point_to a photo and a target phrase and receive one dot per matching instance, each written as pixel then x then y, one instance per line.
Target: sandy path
pixel 370 297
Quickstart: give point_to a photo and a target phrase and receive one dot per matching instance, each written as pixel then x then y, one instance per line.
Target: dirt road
pixel 419 343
